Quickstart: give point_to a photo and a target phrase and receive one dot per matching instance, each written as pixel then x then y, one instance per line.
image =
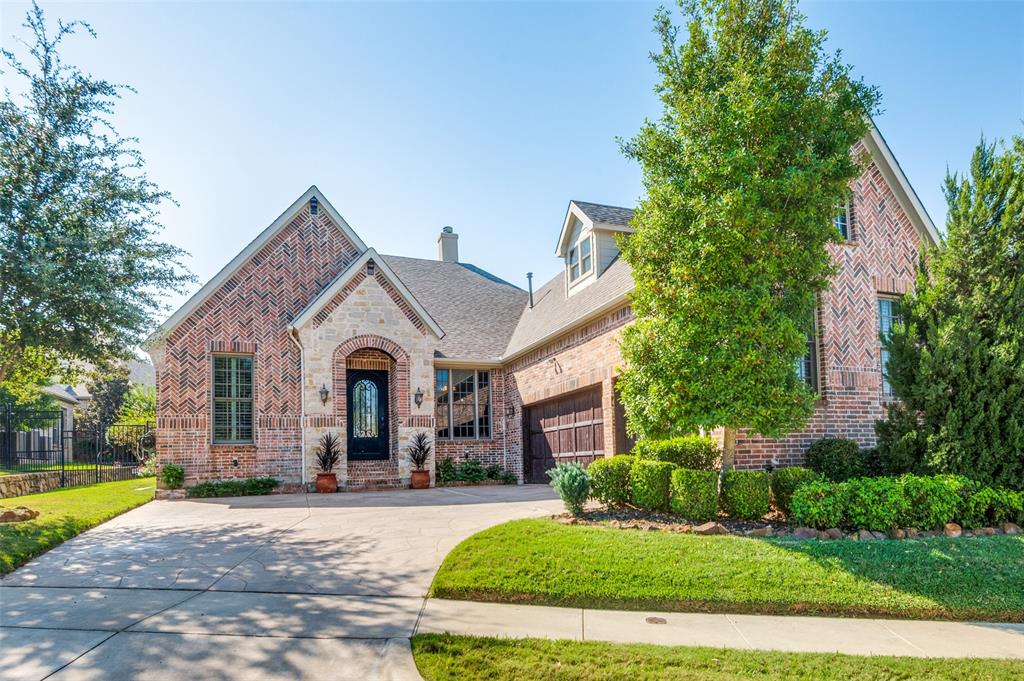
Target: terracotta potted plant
pixel 327 456
pixel 419 451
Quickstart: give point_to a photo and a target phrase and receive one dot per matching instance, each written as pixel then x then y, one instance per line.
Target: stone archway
pixel 373 353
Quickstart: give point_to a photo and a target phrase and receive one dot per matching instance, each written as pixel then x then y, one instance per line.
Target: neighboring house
pixel 68 398
pixel 310 331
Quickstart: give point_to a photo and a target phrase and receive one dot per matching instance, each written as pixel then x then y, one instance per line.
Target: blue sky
pixel 488 117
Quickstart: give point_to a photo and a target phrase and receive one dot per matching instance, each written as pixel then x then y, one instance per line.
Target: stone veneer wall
pixel 367 314
pixel 47 481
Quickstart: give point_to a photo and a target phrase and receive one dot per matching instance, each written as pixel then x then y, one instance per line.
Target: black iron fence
pixel 43 441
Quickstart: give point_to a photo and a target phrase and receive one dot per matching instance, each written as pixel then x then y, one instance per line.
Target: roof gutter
pixel 613 304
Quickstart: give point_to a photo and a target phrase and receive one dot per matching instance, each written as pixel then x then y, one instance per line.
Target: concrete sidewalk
pixel 748 632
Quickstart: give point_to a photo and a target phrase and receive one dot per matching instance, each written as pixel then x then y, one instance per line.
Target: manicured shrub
pixel 652 481
pixel 836 458
pixel 248 487
pixel 991 506
pixel 694 494
pixel 786 480
pixel 610 480
pixel 572 484
pixel 692 451
pixel 746 494
pixel 875 504
pixel 819 504
pixel 173 476
pixel 931 503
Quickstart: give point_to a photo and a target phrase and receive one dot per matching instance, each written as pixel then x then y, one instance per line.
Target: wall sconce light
pixel 510 411
pixel 324 393
pixel 418 397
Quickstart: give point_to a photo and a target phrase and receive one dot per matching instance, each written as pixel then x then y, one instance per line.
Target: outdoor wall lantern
pixel 510 411
pixel 324 393
pixel 418 396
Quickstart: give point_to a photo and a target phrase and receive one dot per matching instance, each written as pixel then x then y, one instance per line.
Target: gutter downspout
pixel 293 333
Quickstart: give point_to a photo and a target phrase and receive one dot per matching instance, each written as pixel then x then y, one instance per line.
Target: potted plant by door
pixel 327 456
pixel 419 451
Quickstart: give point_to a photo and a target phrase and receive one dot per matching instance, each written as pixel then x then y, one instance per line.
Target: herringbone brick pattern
pixel 248 314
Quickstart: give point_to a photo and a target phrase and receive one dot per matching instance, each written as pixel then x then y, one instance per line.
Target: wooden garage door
pixel 569 428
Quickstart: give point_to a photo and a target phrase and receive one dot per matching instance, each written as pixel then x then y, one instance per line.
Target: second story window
pixel 888 316
pixel 842 221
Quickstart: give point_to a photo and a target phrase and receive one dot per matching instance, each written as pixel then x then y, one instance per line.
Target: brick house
pixel 309 331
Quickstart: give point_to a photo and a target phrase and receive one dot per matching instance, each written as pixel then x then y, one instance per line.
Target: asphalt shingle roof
pixel 554 312
pixel 477 311
pixel 609 215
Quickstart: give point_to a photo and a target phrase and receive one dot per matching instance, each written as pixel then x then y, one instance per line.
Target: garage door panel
pixel 568 429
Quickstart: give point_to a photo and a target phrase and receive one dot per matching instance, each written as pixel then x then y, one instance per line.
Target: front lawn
pixel 63 514
pixel 442 657
pixel 542 561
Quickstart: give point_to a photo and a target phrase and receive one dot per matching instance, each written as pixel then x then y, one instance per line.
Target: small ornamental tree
pixel 743 175
pixel 956 362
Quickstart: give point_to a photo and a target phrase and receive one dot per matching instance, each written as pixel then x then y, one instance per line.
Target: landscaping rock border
pixel 630 519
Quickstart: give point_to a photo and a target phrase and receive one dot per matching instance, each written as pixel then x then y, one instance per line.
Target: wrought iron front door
pixel 367 414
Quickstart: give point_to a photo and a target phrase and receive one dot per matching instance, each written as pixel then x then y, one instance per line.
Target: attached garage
pixel 569 428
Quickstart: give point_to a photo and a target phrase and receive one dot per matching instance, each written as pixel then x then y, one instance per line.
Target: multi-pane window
pixel 232 398
pixel 807 366
pixel 581 259
pixel 888 316
pixel 462 403
pixel 842 220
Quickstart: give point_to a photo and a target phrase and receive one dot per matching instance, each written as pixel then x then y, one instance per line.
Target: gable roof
pixel 254 246
pixel 897 179
pixel 592 215
pixel 346 275
pixel 477 310
pixel 606 215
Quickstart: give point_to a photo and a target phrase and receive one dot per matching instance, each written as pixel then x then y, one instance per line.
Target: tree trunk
pixel 728 448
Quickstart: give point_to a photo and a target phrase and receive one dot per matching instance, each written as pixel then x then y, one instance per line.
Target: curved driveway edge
pixel 252 588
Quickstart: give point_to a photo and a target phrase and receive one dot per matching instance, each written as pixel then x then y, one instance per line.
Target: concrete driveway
pixel 279 587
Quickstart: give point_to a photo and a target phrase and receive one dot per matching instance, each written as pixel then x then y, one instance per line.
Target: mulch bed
pixel 636 519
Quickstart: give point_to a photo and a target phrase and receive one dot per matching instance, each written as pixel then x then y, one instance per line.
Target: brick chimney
pixel 448 245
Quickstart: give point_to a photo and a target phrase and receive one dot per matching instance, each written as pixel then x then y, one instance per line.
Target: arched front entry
pixel 371 378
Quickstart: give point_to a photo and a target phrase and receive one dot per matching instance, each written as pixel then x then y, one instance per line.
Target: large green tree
pixel 743 175
pixel 81 269
pixel 956 362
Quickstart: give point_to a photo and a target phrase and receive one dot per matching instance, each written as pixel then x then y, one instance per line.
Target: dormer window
pixel 581 259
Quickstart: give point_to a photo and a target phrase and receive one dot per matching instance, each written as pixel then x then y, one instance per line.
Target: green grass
pixel 542 561
pixel 441 657
pixel 65 513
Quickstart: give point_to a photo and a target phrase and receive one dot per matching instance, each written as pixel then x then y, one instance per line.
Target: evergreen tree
pixel 957 360
pixel 743 174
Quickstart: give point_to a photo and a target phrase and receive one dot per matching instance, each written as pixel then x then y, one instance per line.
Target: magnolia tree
pixel 743 174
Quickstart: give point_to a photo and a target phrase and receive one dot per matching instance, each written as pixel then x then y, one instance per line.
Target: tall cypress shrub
pixel 957 359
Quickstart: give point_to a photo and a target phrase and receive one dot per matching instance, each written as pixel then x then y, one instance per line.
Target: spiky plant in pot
pixel 419 450
pixel 328 454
